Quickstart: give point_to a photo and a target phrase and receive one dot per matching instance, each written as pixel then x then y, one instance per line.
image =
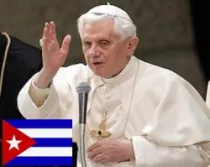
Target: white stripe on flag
pixel 47 133
pixel 47 152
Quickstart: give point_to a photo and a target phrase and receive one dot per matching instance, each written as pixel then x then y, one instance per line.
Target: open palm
pixel 53 55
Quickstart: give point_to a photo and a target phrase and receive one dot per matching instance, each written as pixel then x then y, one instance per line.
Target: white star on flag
pixel 13 143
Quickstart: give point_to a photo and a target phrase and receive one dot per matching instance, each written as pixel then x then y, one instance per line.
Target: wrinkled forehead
pixel 99 29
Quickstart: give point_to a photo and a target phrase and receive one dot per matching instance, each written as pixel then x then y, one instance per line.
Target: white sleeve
pixel 38 95
pixel 149 154
pixel 51 107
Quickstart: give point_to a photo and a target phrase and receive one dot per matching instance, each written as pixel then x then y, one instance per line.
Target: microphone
pixel 82 89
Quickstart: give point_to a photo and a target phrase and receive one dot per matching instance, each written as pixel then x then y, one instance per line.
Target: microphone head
pixel 83 87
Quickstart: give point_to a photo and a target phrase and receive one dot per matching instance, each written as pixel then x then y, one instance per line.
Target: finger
pixel 53 33
pixel 43 43
pixel 44 40
pixel 94 146
pixel 65 45
pixel 43 33
pixel 51 30
pixel 46 30
pixel 94 152
pixel 100 158
pixel 104 160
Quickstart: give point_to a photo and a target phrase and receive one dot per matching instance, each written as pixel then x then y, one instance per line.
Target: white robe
pixel 159 111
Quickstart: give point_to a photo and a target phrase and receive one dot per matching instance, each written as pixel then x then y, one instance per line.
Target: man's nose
pixel 93 51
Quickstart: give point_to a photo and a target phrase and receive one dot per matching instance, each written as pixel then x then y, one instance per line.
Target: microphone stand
pixel 83 90
pixel 82 144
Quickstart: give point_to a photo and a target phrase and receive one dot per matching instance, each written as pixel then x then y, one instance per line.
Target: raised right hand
pixel 53 56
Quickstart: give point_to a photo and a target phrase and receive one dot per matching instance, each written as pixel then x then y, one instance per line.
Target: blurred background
pixel 173 34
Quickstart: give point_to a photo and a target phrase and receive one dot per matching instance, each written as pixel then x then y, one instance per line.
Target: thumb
pixel 66 44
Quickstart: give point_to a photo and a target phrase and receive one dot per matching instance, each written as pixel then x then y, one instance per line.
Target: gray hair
pixel 123 25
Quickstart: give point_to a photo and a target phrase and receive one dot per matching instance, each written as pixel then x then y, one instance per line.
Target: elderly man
pixel 138 114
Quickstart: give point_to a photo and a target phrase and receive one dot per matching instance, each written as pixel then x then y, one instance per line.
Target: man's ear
pixel 132 45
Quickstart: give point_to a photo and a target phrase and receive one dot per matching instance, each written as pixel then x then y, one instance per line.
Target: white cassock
pixel 159 111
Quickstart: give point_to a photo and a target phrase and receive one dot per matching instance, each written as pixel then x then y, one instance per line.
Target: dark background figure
pixel 22 61
pixel 201 28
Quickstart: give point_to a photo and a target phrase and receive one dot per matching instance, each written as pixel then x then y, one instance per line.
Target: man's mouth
pixel 97 63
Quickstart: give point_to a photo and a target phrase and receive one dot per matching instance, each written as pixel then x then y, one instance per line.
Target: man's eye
pixel 104 43
pixel 87 44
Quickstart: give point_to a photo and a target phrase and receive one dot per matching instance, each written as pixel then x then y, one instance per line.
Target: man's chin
pixel 99 73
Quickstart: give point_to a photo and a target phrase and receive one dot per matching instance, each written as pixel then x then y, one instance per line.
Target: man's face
pixel 105 52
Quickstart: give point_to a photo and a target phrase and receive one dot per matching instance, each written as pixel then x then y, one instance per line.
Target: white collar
pixel 124 75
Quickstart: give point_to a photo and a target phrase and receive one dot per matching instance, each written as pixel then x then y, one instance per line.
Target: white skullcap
pixel 110 10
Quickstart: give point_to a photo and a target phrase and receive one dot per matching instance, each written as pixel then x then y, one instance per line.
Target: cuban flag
pixel 37 142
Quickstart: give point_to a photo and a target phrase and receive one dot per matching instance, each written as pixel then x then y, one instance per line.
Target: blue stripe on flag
pixel 41 123
pixel 26 161
pixel 53 142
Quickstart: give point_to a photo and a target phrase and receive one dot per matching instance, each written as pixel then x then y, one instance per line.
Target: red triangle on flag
pixel 14 142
